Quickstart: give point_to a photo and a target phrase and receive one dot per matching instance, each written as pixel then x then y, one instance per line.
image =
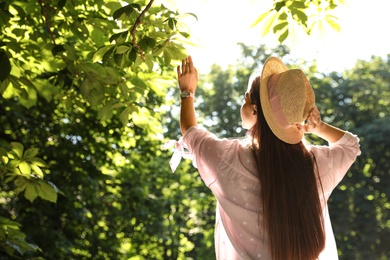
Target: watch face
pixel 185 94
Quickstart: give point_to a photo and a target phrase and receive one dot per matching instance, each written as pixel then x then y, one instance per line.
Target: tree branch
pixel 134 28
pixel 43 12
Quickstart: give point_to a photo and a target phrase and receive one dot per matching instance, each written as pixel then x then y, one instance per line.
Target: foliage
pixel 285 16
pixel 80 84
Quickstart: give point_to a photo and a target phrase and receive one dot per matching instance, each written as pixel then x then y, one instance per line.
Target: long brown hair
pixel 292 211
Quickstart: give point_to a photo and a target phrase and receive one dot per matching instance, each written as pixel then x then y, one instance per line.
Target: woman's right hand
pixel 313 122
pixel 315 126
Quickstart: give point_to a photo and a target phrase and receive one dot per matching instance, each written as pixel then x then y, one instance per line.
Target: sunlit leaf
pixel 37 170
pixel 261 18
pixel 141 117
pixel 98 56
pixel 30 153
pixel 332 21
pixel 269 23
pixel 25 168
pixel 112 6
pixel 299 16
pixel 122 49
pixel 18 149
pixel 28 97
pixel 31 192
pixel 38 162
pixel 47 192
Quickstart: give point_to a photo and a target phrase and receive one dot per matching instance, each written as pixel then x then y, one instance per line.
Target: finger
pixel 301 128
pixel 183 66
pixel 189 64
pixel 178 71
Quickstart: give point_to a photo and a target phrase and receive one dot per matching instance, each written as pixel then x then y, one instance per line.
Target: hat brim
pixel 290 134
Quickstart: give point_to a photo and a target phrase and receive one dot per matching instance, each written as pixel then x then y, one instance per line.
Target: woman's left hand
pixel 187 75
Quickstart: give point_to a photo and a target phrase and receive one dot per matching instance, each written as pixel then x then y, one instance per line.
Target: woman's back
pixel 271 195
pixel 228 169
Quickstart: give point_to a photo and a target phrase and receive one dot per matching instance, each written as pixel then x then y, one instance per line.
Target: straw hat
pixel 286 98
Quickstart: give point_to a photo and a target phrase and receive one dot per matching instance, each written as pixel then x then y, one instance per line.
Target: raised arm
pixel 315 125
pixel 188 79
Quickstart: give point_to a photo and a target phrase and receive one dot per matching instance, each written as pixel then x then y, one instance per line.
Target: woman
pixel 271 191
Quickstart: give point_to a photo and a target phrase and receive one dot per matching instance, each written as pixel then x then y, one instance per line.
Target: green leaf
pixel 297 5
pixel 18 149
pixel 261 18
pixel 71 52
pixel 105 113
pixel 149 62
pixel 119 14
pixel 112 6
pixel 38 162
pixel 45 89
pixel 136 6
pixel 13 163
pixel 132 56
pixel 98 37
pixel 280 26
pixel 172 23
pixel 332 21
pixel 25 168
pixel 269 23
pixel 5 65
pixel 47 192
pixel 141 117
pixel 21 184
pixel 28 97
pixel 299 16
pixel 283 16
pixel 30 153
pixel 3 87
pixel 283 36
pixel 11 177
pixel 119 60
pixel 122 49
pixel 124 116
pixel 31 192
pixel 37 170
pixel 86 88
pixel 279 5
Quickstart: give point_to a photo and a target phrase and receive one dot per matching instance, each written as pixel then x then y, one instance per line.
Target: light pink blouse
pixel 227 168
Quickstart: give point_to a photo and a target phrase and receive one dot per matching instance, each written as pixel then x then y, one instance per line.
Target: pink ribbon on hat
pixel 179 152
pixel 276 108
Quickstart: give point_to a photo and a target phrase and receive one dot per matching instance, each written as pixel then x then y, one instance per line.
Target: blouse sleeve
pixel 333 161
pixel 207 151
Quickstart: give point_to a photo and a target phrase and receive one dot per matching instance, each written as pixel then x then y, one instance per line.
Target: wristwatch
pixel 185 94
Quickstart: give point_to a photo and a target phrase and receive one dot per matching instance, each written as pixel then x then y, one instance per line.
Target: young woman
pixel 271 191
